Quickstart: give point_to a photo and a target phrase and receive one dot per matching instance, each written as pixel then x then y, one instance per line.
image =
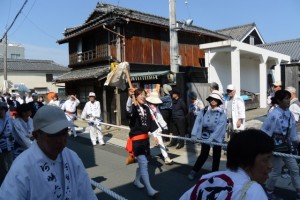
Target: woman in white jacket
pixel 211 127
pixel 153 101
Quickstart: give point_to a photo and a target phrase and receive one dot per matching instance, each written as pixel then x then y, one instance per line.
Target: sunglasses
pixel 229 91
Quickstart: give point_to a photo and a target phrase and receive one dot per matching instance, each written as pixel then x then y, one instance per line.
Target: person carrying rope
pixel 92 112
pixel 248 165
pixel 153 101
pixel 70 110
pixel 48 169
pixel 140 123
pixel 209 126
pixel 280 125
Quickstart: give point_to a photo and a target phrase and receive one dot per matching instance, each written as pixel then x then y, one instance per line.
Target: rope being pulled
pixel 203 141
pixel 107 191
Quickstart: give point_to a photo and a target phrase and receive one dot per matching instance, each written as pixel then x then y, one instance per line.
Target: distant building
pixel 289 71
pixel 14 51
pixel 247 33
pixel 37 75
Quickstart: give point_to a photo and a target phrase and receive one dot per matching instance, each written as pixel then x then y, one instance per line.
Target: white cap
pixel 167 89
pixel 230 87
pixel 50 123
pixel 291 89
pixel 92 94
pixel 277 83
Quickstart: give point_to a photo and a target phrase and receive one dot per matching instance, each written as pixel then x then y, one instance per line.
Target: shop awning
pixel 142 76
pixel 99 72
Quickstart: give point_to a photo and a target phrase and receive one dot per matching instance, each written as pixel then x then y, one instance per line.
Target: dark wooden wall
pixel 150 45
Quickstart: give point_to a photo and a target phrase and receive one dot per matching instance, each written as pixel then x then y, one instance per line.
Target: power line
pixel 40 29
pixel 14 20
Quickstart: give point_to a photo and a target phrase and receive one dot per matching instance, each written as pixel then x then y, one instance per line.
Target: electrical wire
pixel 14 20
pixel 40 29
pixel 23 19
pixel 8 14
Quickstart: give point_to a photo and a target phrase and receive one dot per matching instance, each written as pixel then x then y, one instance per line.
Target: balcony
pixel 98 54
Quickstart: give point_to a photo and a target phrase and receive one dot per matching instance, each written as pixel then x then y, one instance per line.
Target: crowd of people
pixel 250 164
pixel 17 116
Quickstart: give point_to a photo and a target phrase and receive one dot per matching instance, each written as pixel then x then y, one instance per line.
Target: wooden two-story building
pixel 113 33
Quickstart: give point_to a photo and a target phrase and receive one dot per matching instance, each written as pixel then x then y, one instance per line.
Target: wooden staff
pixel 130 85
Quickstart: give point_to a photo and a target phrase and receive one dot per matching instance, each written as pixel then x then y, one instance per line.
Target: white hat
pixel 216 95
pixel 291 89
pixel 277 83
pixel 230 87
pixel 167 88
pixel 50 119
pixel 92 94
pixel 154 98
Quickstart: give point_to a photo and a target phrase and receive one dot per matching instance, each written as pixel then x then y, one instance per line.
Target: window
pixel 84 90
pixel 49 77
pixel 15 56
pixel 41 90
pixel 251 40
pixel 61 90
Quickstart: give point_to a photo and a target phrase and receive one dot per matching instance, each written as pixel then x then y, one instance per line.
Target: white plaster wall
pixel 220 70
pixel 33 79
pixel 250 75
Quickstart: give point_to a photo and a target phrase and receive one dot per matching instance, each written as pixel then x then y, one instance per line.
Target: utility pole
pixel 5 57
pixel 173 37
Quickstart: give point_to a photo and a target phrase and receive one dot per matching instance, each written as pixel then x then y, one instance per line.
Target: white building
pixel 14 51
pixel 37 75
pixel 244 65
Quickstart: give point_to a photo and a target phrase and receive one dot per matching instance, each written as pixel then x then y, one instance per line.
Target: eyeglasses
pixel 229 91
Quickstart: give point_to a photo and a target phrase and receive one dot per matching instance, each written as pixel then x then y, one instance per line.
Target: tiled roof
pixel 288 47
pixel 99 72
pixel 237 32
pixel 105 13
pixel 32 65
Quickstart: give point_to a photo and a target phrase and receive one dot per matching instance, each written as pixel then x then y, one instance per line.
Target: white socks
pixel 137 179
pixel 143 166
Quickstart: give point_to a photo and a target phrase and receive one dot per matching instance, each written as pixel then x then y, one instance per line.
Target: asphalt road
pixel 106 165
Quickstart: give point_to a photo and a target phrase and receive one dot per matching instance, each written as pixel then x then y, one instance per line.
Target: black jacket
pixel 179 109
pixel 35 105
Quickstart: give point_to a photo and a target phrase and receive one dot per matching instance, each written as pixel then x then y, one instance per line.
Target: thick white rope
pixel 203 141
pixel 118 197
pixel 107 191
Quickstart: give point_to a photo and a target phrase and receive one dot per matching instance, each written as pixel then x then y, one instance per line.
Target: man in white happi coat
pixel 19 98
pixel 92 112
pixel 235 111
pixel 70 110
pixel 48 169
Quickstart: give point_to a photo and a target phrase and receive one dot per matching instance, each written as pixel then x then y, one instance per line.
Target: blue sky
pixel 42 22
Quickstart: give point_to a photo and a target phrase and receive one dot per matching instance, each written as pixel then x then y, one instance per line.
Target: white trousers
pixel 291 164
pixel 94 133
pixel 70 118
pixel 162 146
pixel 142 172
